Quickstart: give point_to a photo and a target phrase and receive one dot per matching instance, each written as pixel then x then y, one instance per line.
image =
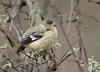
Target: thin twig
pixel 64 59
pixel 3 70
pixel 70 16
pixel 18 32
pixel 81 45
pixel 5 8
pixel 91 17
pixel 8 38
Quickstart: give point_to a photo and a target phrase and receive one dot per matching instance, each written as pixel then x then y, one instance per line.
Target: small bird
pixel 40 37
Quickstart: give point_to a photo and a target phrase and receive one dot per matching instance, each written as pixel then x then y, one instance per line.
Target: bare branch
pixel 8 38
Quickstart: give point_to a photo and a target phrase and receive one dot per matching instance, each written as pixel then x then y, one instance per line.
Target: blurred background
pixel 90 28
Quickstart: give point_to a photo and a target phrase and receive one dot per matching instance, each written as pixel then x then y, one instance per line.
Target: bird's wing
pixel 27 40
pixel 30 38
pixel 47 41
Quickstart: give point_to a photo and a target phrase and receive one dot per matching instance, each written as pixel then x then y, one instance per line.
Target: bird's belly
pixel 41 44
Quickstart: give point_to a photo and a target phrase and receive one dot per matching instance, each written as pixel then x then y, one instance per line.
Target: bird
pixel 40 37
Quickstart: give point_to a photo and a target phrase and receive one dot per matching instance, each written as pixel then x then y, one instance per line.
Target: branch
pixel 38 11
pixel 8 38
pixel 3 70
pixel 11 17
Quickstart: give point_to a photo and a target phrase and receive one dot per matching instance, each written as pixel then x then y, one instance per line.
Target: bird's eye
pixel 49 22
pixel 48 29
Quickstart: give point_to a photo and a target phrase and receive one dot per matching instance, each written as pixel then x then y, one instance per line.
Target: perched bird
pixel 40 37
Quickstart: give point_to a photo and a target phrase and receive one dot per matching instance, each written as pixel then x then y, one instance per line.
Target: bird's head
pixel 49 24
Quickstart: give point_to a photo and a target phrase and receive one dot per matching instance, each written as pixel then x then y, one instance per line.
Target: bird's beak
pixel 54 24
